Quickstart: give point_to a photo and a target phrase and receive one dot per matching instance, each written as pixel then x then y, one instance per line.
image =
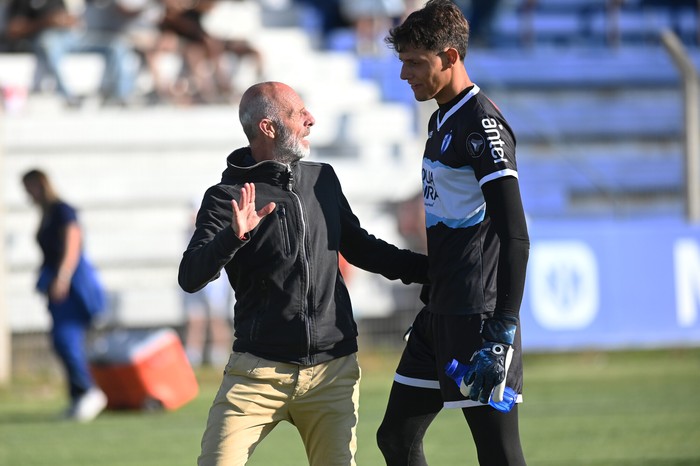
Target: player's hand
pixel 245 217
pixel 489 365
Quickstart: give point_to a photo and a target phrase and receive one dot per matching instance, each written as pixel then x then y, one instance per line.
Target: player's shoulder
pixel 484 107
pixel 471 112
pixel 485 117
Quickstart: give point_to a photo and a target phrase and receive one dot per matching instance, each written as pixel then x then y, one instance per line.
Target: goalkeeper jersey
pixel 469 144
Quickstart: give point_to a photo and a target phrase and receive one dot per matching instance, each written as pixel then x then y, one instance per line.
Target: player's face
pixel 426 72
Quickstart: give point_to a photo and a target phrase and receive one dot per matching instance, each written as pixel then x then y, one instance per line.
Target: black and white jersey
pixel 469 144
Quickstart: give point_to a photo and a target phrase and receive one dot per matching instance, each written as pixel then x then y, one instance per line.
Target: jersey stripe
pixel 498 174
pixel 451 195
pixel 473 219
pixel 472 403
pixel 420 383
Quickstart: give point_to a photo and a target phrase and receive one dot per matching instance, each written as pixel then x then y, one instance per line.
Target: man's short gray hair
pixel 256 105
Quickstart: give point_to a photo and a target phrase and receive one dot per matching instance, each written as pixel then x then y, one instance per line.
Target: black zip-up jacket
pixel 292 304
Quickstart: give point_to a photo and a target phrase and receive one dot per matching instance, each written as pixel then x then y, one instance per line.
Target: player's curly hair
pixel 438 25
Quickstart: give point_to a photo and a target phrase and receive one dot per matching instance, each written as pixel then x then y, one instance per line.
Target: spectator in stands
pixel 329 16
pixel 277 225
pixel 137 22
pixel 478 248
pixel 371 18
pixel 152 45
pixel 112 23
pixel 480 14
pixel 210 79
pixel 35 27
pixel 53 31
pixel 73 292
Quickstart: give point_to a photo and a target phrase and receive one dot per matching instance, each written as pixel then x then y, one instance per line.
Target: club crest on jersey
pixel 493 134
pixel 475 144
pixel 446 142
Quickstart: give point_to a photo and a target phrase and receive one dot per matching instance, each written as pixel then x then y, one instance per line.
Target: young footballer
pixel 478 247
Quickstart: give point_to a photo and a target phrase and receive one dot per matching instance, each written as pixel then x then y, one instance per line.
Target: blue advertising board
pixel 612 284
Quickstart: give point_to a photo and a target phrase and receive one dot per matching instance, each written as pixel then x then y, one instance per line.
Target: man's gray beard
pixel 289 150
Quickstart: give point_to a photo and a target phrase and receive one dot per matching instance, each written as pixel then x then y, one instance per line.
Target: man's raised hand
pixel 245 217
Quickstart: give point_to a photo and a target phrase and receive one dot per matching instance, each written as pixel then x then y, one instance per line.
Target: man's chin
pixel 302 153
pixel 421 97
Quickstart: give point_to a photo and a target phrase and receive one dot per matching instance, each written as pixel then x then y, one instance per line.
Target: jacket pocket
pixel 284 229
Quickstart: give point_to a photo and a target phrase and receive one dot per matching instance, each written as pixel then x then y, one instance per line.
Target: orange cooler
pixel 142 369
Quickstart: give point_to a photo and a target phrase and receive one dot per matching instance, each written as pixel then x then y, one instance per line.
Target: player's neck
pixel 455 87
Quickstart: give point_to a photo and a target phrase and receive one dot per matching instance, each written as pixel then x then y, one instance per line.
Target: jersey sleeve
pixel 491 146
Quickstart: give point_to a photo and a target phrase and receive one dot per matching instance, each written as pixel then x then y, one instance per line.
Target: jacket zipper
pixel 304 255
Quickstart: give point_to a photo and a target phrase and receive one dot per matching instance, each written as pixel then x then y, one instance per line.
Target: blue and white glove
pixel 488 367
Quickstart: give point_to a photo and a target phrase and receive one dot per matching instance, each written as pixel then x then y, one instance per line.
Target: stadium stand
pixel 134 172
pixel 599 127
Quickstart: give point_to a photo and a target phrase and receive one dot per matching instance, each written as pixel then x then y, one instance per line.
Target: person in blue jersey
pixel 478 247
pixel 278 225
pixel 73 292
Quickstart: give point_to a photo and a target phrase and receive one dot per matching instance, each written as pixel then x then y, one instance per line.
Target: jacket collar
pixel 242 168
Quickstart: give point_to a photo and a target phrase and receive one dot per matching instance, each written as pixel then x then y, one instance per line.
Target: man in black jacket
pixel 277 226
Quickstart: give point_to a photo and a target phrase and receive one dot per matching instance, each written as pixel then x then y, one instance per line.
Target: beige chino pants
pixel 257 394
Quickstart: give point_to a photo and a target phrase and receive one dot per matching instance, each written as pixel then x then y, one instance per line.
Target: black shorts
pixel 438 338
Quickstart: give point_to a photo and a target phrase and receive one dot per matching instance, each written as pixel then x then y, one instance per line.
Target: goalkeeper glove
pixel 489 365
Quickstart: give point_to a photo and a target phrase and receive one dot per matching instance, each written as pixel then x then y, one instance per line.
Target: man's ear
pixel 267 128
pixel 451 57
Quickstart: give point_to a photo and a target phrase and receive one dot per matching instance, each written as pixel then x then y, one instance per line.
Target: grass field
pixel 637 408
